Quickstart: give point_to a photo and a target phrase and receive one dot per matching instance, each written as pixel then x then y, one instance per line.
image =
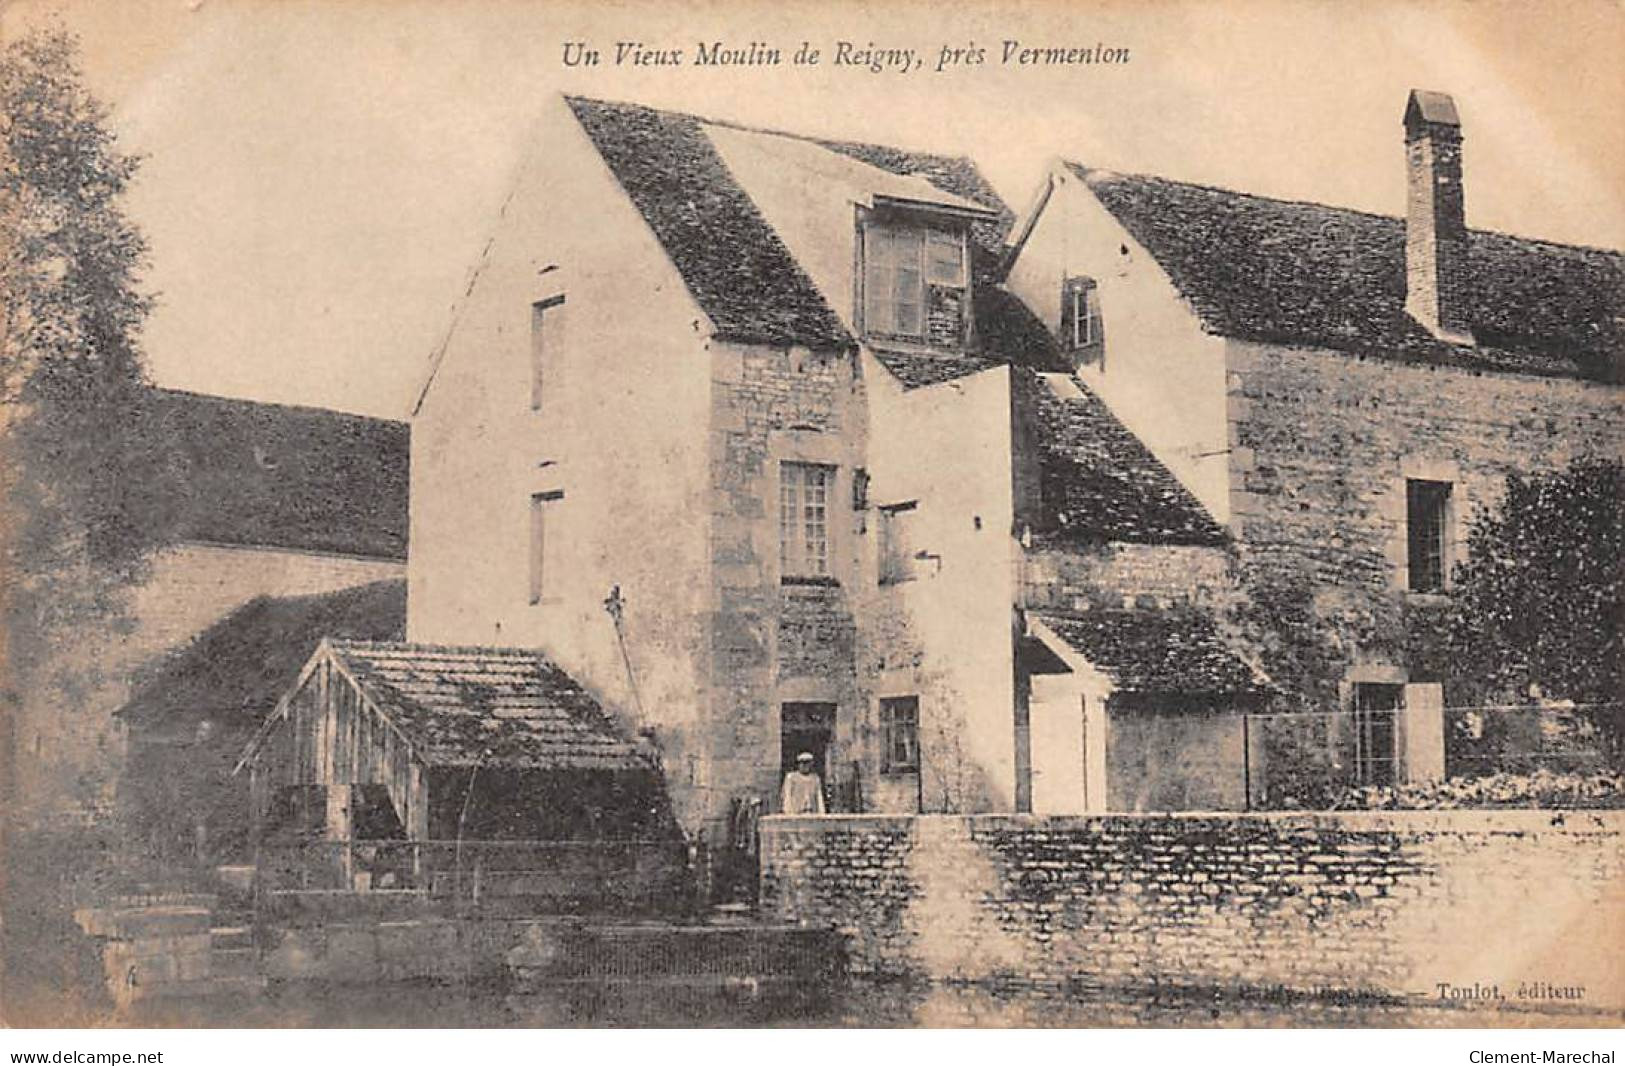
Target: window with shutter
pixel 915 284
pixel 896 545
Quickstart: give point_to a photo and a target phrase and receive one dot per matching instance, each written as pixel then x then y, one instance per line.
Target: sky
pixel 319 177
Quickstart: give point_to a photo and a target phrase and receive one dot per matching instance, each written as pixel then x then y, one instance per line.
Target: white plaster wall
pixel 948 446
pixel 195 585
pixel 1163 376
pixel 622 433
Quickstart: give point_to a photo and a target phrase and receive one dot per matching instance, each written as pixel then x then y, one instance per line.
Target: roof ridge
pixel 746 127
pixel 493 651
pixel 1086 172
pixel 214 397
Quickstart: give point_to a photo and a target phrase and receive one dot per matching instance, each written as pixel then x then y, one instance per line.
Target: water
pixel 853 1003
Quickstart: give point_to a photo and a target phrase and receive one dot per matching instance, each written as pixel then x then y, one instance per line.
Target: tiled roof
pixel 731 260
pixel 1007 333
pixel 240 666
pixel 269 475
pixel 1099 482
pixel 1283 272
pixel 488 706
pixel 741 273
pixel 918 371
pixel 1174 650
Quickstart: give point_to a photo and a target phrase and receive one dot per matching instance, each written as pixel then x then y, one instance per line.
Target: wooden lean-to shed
pixel 391 741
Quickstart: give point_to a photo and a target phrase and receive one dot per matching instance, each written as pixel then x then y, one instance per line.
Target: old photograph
pixel 735 515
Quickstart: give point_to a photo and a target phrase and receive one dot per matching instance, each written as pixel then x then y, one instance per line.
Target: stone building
pixel 742 431
pixel 1340 390
pixel 265 500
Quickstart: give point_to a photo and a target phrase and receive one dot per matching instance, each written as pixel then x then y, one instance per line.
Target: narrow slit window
pixel 540 504
pixel 546 337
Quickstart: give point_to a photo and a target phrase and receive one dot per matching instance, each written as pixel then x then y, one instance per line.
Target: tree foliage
pixel 1538 602
pixel 77 465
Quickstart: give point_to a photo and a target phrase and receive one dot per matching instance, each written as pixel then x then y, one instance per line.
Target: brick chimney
pixel 1436 268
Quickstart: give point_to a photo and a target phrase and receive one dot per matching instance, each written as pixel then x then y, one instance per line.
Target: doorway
pixel 1376 735
pixel 807 727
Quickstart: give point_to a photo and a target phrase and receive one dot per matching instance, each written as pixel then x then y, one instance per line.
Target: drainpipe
pixel 615 605
pixel 1246 764
pixel 462 816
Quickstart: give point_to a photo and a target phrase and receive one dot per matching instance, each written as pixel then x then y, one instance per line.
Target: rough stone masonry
pixel 1355 905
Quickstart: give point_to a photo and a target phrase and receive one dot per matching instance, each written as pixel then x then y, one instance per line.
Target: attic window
pixel 915 283
pixel 1081 329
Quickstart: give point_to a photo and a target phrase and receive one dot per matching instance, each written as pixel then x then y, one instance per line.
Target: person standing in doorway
pixel 803 790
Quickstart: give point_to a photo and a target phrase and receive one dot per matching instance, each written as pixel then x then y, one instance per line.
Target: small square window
pixel 900 735
pixel 1427 525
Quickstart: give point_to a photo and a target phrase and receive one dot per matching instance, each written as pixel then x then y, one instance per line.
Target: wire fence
pixel 628 875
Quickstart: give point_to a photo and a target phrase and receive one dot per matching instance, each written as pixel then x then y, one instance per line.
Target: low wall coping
pixel 1500 820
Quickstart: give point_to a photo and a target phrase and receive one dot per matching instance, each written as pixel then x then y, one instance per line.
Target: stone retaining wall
pixel 1356 904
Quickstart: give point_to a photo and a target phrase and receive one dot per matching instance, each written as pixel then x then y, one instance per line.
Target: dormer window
pixel 1081 332
pixel 915 283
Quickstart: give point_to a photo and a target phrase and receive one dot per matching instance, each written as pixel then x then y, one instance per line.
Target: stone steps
pixel 159 944
pixel 234 962
pixel 231 937
pixel 213 985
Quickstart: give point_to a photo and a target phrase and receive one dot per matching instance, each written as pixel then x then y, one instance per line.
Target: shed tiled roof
pixel 488 706
pixel 270 475
pixel 951 174
pixel 1284 272
pixel 1100 483
pixel 741 273
pixel 1174 650
pixel 239 667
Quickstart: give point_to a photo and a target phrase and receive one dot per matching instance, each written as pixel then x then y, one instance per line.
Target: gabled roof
pixel 1172 650
pixel 239 667
pixel 1099 482
pixel 504 707
pixel 739 270
pixel 270 475
pixel 1283 272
